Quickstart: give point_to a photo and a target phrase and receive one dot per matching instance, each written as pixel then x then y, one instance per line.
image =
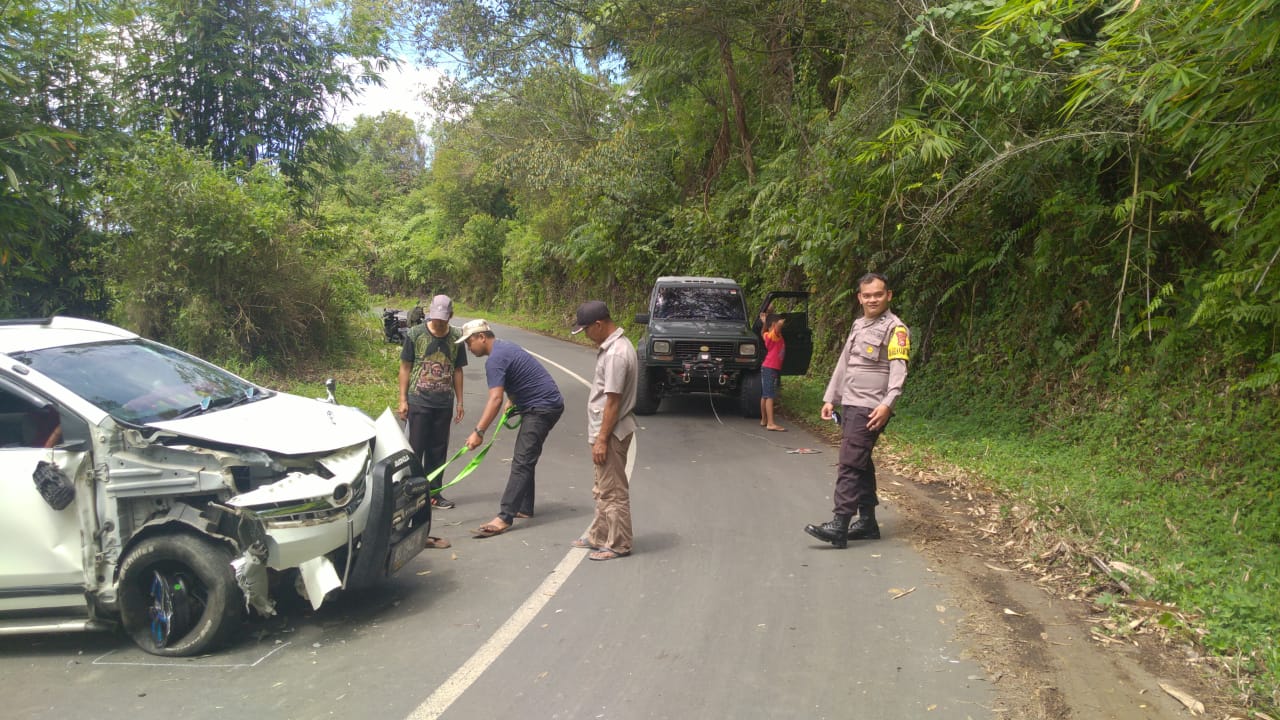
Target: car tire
pixel 749 394
pixel 647 397
pixel 178 595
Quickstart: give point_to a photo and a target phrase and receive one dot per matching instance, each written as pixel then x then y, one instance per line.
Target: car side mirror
pixel 642 318
pixel 53 485
pixel 329 386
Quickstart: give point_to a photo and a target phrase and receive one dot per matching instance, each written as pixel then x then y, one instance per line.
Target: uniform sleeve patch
pixel 900 344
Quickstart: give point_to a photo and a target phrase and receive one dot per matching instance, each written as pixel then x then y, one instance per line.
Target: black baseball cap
pixel 588 313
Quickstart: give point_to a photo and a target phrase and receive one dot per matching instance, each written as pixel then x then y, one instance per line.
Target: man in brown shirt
pixel 867 380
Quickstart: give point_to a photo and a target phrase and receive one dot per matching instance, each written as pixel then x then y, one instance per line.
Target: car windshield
pixel 699 303
pixel 139 381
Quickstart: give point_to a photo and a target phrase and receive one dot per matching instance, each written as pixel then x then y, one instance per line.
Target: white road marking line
pixel 462 678
pixel 187 663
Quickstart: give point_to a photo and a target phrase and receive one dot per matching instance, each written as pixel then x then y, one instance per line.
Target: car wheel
pixel 647 397
pixel 749 394
pixel 178 595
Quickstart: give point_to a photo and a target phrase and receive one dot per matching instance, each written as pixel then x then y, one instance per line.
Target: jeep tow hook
pixel 724 378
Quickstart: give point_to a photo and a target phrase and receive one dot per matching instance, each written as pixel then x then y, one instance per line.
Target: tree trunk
pixel 739 109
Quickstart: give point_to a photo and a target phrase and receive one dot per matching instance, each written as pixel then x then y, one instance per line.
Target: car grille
pixel 691 349
pixel 311 510
pixel 298 512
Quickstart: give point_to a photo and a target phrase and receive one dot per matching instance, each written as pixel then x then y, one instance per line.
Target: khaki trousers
pixel 611 527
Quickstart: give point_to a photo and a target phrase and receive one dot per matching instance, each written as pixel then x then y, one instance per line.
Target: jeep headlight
pixel 662 347
pixel 747 349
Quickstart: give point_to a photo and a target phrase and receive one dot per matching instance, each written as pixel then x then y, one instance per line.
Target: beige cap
pixel 473 327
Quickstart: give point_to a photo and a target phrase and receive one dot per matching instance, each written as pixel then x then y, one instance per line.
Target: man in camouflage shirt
pixel 431 365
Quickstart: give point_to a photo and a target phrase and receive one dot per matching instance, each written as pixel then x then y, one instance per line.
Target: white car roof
pixel 23 335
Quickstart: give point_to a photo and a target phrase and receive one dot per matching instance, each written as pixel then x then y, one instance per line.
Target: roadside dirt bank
pixel 1030 615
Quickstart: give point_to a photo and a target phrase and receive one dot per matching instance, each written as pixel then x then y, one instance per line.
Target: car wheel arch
pixel 181 518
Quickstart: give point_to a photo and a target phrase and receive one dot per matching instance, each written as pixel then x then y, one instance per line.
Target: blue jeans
pixel 535 425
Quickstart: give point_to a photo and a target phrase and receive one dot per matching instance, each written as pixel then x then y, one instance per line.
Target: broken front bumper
pixel 371 530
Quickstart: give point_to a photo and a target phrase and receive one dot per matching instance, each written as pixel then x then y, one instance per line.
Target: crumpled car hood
pixel 283 423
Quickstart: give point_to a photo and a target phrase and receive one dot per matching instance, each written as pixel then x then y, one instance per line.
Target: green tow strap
pixel 507 420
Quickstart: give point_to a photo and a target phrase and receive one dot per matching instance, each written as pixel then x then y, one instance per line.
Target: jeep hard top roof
pixel 693 280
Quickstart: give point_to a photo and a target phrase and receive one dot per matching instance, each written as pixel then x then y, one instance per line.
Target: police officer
pixel 866 381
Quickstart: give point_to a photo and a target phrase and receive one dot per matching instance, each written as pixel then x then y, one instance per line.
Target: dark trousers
pixel 429 438
pixel 535 425
pixel 856 477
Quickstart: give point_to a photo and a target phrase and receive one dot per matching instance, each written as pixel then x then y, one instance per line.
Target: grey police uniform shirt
pixel 873 363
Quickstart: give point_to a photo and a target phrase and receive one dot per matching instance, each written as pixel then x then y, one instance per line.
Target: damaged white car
pixel 144 485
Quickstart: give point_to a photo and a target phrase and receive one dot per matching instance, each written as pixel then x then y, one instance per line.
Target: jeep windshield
pixel 140 382
pixel 699 303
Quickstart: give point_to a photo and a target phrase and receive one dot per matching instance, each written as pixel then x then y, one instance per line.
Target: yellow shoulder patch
pixel 900 344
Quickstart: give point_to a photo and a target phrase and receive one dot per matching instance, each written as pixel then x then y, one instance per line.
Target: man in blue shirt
pixel 512 371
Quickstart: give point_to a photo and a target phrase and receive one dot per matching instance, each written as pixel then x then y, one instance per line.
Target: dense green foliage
pixel 1077 203
pixel 244 79
pixel 208 247
pixel 50 122
pixel 215 263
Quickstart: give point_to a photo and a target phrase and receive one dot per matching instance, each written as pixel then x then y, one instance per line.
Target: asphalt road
pixel 726 609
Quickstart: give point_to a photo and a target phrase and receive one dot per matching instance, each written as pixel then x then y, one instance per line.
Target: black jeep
pixel 699 339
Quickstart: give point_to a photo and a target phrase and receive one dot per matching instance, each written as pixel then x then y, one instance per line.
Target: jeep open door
pixel 794 306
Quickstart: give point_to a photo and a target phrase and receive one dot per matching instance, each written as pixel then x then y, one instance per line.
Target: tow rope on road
pixel 510 418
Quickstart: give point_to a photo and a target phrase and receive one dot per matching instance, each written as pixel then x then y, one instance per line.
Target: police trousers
pixel 856 476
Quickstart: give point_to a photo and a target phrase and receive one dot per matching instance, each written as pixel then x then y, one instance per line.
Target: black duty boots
pixel 864 526
pixel 833 531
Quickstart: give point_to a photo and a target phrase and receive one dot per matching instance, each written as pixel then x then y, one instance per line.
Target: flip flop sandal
pixel 438 543
pixel 486 531
pixel 582 544
pixel 606 554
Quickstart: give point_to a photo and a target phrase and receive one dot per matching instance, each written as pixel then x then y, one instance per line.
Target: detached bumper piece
pixel 399 522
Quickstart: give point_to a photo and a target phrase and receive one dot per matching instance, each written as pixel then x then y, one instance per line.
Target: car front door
pixel 794 306
pixel 44 469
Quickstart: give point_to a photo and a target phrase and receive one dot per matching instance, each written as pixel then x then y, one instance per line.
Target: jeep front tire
pixel 749 394
pixel 647 397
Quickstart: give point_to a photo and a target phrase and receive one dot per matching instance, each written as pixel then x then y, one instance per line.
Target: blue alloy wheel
pixel 170 608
